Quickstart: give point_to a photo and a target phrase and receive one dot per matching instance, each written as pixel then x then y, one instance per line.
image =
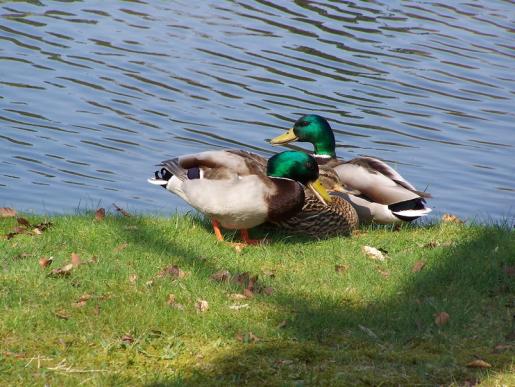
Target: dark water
pixel 94 93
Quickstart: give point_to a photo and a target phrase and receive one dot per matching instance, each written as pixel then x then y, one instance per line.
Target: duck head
pixel 310 128
pixel 298 166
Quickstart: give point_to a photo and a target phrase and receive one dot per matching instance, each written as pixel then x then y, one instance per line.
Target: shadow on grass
pixel 392 342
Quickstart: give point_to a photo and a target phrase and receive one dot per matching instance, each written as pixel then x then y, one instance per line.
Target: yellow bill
pixel 285 138
pixel 319 191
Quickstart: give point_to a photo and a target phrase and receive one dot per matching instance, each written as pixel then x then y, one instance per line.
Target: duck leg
pixel 246 239
pixel 216 229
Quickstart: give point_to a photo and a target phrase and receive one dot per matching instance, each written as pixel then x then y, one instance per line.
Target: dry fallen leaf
pixel 62 314
pixel 75 260
pixel 418 266
pixel 173 271
pixel 120 247
pixel 127 339
pixel 133 278
pixel 121 210
pixel 501 348
pixel 449 218
pixel 384 273
pixel 248 293
pixel 37 231
pixel 247 337
pixel 100 214
pixel 6 212
pixel 62 271
pixel 341 268
pixel 268 291
pixel 221 276
pixel 241 279
pixel 201 306
pixel 441 318
pixel 373 253
pixel 238 306
pixel 23 222
pixel 171 299
pixel 149 283
pixel 478 363
pixel 82 300
pixel 45 262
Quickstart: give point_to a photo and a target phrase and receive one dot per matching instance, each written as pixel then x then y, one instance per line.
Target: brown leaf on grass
pixel 384 273
pixel 268 291
pixel 171 299
pixel 241 278
pixel 127 339
pixel 37 231
pixel 173 271
pixel 100 214
pixel 120 247
pixel 221 276
pixel 133 278
pixel 45 262
pixel 62 314
pixel 23 222
pixel 247 337
pixel 62 271
pixel 248 293
pixel 510 271
pixel 478 363
pixel 82 300
pixel 238 306
pixel 201 306
pixel 43 226
pixel 431 244
pixel 418 266
pixel 373 253
pixel 121 210
pixel 441 318
pixel 22 256
pixel 75 260
pixel 341 268
pixel 6 212
pixel 449 218
pixel 499 348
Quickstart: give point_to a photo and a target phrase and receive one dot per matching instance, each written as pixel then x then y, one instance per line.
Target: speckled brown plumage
pixel 320 221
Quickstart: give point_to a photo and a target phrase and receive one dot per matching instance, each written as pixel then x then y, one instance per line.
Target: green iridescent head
pixel 311 128
pixel 298 166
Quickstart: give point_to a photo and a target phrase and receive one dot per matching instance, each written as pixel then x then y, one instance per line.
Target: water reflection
pixel 93 94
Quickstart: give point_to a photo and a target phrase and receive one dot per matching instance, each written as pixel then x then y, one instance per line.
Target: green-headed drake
pixel 240 190
pixel 378 193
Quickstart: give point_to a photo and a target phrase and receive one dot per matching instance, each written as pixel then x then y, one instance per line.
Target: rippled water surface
pixel 94 93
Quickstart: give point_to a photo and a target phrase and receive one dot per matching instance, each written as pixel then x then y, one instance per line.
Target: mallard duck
pixel 235 190
pixel 378 193
pixel 323 221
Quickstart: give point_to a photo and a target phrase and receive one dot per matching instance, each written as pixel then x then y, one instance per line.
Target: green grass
pixel 370 323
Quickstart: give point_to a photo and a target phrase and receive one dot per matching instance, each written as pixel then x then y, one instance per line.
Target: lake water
pixel 94 93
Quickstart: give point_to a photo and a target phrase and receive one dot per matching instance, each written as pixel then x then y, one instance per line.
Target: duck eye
pixel 301 124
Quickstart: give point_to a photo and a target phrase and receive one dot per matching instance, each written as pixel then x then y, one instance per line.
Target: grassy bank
pixel 147 301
